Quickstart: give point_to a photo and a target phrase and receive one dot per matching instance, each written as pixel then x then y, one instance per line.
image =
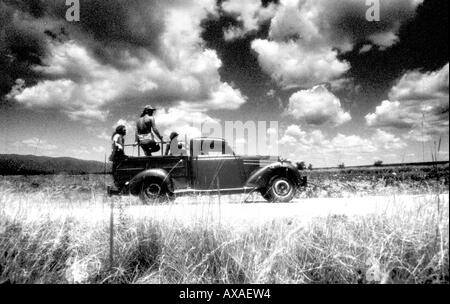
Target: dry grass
pixel 52 237
pixel 377 181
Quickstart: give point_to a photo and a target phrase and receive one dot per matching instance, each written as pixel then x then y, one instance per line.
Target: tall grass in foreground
pixel 410 246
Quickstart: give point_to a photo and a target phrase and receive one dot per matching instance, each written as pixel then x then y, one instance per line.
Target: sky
pixel 342 89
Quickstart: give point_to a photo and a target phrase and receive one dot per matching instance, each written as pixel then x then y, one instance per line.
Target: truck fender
pixel 261 178
pixel 161 175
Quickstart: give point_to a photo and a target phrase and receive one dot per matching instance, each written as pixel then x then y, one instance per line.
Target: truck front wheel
pixel 153 191
pixel 280 189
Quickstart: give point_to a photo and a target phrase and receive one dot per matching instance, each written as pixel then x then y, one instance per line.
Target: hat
pixel 173 135
pixel 149 108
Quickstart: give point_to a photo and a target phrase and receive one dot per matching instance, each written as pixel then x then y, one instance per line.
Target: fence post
pixel 111 236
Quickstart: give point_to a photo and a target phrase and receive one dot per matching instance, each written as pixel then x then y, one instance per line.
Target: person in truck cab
pixel 118 142
pixel 145 127
pixel 175 148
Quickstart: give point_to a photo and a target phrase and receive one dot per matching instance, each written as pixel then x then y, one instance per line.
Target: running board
pixel 112 190
pixel 216 191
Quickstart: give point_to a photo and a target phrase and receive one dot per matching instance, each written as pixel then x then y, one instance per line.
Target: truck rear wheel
pixel 154 191
pixel 280 189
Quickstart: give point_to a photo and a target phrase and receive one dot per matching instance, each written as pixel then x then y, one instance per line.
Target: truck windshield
pixel 211 147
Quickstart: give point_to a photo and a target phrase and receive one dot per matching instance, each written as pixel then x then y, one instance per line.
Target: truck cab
pixel 208 165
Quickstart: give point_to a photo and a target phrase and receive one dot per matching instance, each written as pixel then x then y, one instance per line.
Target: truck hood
pixel 260 161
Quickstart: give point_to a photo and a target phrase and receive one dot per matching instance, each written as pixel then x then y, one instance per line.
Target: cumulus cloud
pixel 388 140
pixel 294 131
pixel 422 86
pixel 299 144
pixel 294 138
pixel 296 54
pixel 233 33
pixel 352 144
pixel 392 114
pixel 22 44
pixel 342 23
pixel 83 85
pixel 314 145
pixel 365 48
pixel 99 149
pixel 131 25
pixel 418 103
pixel 292 65
pixel 36 143
pixel 183 121
pixel 317 106
pixel 159 44
pixel 87 86
pixel 101 134
pixel 249 13
pixel 384 40
pixel 304 37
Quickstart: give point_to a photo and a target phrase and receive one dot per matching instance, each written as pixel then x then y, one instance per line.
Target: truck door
pixel 217 167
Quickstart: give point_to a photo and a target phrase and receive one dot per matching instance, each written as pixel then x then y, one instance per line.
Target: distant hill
pixel 13 164
pixel 388 166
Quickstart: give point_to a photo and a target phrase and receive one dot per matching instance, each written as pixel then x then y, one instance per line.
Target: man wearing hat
pixel 145 127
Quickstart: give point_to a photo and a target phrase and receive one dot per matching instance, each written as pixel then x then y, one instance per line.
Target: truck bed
pixel 177 166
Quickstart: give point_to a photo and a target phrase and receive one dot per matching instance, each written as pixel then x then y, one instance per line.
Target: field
pixel 377 181
pixel 348 226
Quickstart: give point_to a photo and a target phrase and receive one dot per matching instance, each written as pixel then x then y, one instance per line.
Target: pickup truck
pixel 208 166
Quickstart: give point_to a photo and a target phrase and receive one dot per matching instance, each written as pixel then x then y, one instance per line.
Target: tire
pixel 155 192
pixel 279 190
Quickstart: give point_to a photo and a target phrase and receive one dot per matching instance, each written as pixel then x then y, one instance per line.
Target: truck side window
pixel 209 147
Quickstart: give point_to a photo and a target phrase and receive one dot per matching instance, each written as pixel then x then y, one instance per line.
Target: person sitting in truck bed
pixel 145 127
pixel 118 142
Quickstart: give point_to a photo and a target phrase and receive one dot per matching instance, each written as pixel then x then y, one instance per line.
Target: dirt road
pixel 213 209
pixel 226 210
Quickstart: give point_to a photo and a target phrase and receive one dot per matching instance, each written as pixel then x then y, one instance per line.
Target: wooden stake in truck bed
pixel 210 166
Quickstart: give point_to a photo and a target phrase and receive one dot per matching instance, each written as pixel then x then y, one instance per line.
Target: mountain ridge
pixel 17 164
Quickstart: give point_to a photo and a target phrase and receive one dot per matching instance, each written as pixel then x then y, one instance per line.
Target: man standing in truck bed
pixel 145 127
